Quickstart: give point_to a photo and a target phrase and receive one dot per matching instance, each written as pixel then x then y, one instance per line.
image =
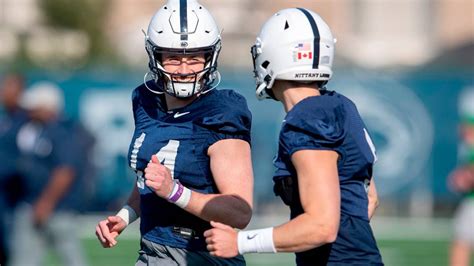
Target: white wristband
pixel 127 214
pixel 180 195
pixel 256 241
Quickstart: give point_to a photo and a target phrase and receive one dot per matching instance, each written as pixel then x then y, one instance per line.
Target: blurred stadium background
pixel 403 62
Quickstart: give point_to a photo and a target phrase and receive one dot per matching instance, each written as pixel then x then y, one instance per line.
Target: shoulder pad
pixel 314 123
pixel 230 113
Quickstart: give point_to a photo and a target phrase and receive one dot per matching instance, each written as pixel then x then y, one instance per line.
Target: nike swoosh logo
pixel 251 237
pixel 178 114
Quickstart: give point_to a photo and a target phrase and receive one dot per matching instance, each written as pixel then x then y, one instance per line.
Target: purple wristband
pixel 178 193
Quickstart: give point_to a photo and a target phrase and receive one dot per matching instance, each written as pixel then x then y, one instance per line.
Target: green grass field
pixel 402 242
pixel 394 252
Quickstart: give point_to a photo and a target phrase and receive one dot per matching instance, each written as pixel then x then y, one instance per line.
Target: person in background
pixel 12 118
pixel 191 145
pixel 325 156
pixel 48 162
pixel 461 180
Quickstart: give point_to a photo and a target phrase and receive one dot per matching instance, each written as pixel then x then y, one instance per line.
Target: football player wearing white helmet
pixel 325 156
pixel 190 148
pixel 183 29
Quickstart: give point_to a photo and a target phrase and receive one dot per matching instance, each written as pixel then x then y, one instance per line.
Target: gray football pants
pixel 156 254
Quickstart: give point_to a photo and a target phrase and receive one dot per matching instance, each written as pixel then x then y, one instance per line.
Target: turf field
pixel 402 242
pixel 394 252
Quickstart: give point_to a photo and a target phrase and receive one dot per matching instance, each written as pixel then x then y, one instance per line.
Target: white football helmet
pixel 183 27
pixel 294 44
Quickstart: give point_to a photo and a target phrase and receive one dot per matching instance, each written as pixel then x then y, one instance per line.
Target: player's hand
pixel 221 240
pixel 42 209
pixel 108 230
pixel 158 178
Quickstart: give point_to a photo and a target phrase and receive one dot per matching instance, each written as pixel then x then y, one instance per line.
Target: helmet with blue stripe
pixel 183 28
pixel 294 44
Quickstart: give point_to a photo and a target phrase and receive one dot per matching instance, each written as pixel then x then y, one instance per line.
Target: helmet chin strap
pixel 260 92
pixel 216 75
pixel 265 93
pixel 145 82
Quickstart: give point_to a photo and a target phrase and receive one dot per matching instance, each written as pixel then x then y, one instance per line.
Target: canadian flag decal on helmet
pixel 303 51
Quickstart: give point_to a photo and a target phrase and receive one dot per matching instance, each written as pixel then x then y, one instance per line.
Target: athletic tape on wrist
pixel 127 214
pixel 256 241
pixel 180 195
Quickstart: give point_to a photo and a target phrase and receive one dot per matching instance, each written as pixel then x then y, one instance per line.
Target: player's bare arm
pixel 109 229
pixel 373 198
pixel 318 185
pixel 320 198
pixel 61 180
pixel 232 170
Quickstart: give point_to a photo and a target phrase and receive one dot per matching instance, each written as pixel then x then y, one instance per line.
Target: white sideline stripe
pixel 385 228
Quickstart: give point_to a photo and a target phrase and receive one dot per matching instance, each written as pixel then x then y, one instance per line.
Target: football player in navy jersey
pixel 49 166
pixel 191 145
pixel 325 155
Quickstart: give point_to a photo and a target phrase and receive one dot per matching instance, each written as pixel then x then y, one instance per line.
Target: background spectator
pixel 49 163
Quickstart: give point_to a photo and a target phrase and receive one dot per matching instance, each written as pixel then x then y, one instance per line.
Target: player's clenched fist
pixel 108 230
pixel 221 240
pixel 158 178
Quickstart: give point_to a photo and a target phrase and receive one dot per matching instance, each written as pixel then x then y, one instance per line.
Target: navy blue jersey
pixel 181 138
pixel 331 122
pixel 11 183
pixel 45 147
pixel 9 127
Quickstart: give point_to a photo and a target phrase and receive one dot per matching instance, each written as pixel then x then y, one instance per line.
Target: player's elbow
pixel 324 234
pixel 376 203
pixel 374 200
pixel 329 233
pixel 373 204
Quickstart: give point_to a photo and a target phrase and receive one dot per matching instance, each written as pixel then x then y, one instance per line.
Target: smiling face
pixel 183 67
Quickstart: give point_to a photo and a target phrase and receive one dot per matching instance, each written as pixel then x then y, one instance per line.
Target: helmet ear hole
pixel 267 79
pixel 265 64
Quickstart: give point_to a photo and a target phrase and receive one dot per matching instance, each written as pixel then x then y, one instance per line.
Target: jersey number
pixel 167 156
